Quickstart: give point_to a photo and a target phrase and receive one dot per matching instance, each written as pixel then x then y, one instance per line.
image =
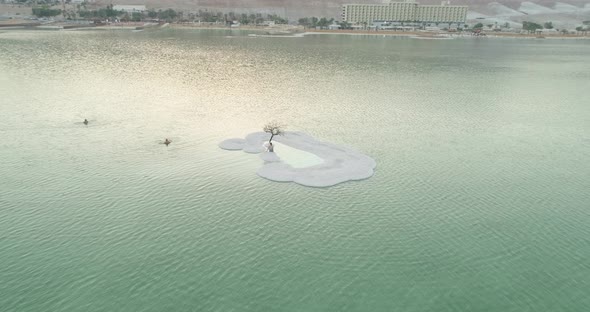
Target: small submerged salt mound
pixel 233 144
pixel 340 164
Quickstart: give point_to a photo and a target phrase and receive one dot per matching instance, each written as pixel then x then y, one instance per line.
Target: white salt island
pixel 329 164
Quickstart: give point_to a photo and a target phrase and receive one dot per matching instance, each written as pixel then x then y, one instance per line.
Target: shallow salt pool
pixel 296 158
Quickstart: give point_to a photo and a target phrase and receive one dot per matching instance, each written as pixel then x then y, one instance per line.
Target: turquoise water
pixel 480 200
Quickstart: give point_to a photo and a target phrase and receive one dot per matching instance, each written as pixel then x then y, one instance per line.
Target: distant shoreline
pixel 443 35
pixel 295 31
pixel 422 34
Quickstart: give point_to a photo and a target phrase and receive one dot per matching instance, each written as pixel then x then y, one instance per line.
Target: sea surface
pixel 480 199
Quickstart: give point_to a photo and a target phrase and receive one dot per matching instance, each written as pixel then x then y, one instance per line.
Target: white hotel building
pixel 408 11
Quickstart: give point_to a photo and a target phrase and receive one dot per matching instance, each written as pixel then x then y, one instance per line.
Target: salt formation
pixel 340 164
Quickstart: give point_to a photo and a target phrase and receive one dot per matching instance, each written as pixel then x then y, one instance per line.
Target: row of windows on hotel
pixel 407 12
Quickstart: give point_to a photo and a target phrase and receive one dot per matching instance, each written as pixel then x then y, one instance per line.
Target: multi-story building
pixel 130 8
pixel 408 11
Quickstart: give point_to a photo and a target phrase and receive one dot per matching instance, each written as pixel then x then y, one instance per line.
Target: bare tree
pixel 274 128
